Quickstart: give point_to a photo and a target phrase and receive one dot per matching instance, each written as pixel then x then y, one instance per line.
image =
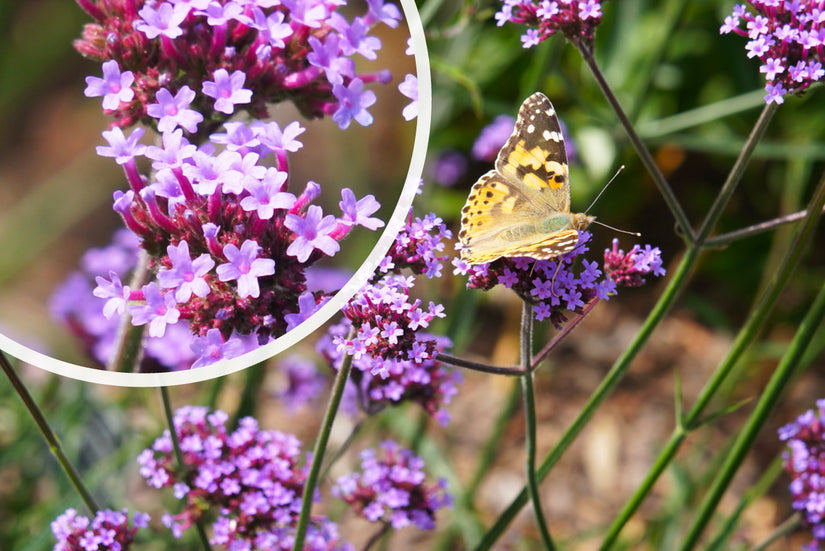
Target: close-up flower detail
pixel 392 487
pixel 107 530
pixel 787 38
pixel 228 232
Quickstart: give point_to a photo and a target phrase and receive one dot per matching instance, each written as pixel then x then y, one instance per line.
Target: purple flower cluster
pixel 392 357
pixel 804 461
pixel 249 481
pixel 556 286
pixel 575 19
pixel 91 321
pixel 376 383
pixel 391 488
pixel 787 36
pixel 417 246
pixel 109 530
pixel 236 53
pixel 628 269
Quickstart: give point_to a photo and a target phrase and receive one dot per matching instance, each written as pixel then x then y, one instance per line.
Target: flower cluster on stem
pixel 107 530
pixel 393 357
pixel 249 481
pixel 391 487
pixel 557 286
pixel 787 37
pixel 575 19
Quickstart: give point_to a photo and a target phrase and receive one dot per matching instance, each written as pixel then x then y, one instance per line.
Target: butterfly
pixel 522 207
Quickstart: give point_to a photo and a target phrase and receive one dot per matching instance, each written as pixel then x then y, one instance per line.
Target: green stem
pixel 641 149
pixel 773 391
pixel 599 395
pixel 725 239
pixel 181 468
pixel 743 339
pixel 48 434
pixel 736 173
pixel 530 422
pixel 320 447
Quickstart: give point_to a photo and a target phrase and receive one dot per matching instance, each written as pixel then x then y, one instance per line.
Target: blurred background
pixel 693 96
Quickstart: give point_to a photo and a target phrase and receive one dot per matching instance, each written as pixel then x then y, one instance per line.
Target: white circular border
pixel 358 280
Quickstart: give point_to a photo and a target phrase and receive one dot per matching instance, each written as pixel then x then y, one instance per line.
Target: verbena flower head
pixel 804 461
pixel 391 487
pixel 559 285
pixel 108 530
pixel 787 37
pixel 249 482
pixel 393 358
pixel 575 19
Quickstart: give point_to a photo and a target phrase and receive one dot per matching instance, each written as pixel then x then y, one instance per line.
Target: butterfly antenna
pixel 603 190
pixel 637 234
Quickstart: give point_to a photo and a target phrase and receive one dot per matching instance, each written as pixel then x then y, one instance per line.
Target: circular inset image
pixel 255 164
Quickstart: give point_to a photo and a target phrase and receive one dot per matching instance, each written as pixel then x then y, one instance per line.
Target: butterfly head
pixel 580 221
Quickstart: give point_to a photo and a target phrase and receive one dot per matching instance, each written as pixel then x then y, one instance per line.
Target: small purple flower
pixel 311 232
pixel 326 56
pixel 410 89
pixel 575 19
pixel 123 149
pixel 245 267
pixel 353 103
pixel 115 292
pixel 115 87
pixel 271 135
pixel 227 90
pixel 305 384
pixel 164 19
pixel 555 286
pixel 172 112
pixel 186 276
pixel 158 311
pixel 265 195
pixel 212 348
pixel 450 166
pixel 358 212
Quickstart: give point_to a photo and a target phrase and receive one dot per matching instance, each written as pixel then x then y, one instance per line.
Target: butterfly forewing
pixel 535 155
